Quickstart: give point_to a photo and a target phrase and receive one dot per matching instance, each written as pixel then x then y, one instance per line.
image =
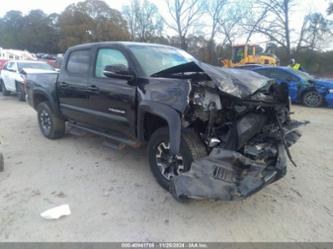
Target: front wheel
pixel 51 125
pixel 312 99
pixel 164 166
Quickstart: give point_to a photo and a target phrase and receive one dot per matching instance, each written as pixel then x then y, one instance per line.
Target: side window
pixel 108 56
pixel 15 66
pixel 5 67
pixel 282 75
pixel 264 72
pixel 78 62
pixel 10 66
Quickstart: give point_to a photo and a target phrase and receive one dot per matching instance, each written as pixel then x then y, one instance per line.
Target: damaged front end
pixel 243 120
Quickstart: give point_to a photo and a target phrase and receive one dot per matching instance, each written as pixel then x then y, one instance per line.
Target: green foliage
pixel 34 32
pixel 90 21
pixel 144 21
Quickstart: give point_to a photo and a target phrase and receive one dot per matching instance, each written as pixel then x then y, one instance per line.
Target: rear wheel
pixel 312 99
pixel 164 166
pixel 51 125
pixel 4 90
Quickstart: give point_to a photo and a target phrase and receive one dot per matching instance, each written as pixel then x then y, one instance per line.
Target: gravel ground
pixel 114 197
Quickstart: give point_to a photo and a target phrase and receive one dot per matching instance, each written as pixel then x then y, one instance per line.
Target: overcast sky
pixel 50 6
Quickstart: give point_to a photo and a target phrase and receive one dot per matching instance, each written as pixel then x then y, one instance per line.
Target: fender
pixel 164 111
pixel 48 96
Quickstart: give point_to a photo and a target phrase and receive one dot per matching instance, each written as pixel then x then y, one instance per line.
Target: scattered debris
pixel 60 195
pixel 56 212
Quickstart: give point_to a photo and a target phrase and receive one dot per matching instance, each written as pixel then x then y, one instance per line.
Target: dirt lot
pixel 114 197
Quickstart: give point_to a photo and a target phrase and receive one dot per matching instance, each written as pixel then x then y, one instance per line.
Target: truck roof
pixel 122 43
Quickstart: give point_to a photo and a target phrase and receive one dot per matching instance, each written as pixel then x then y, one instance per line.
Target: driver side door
pixel 112 100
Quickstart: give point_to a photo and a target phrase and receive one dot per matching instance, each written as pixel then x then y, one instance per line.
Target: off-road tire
pixel 318 97
pixel 20 91
pixel 4 90
pixel 191 148
pixel 57 124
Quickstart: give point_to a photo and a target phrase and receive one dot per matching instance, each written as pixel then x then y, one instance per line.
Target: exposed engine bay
pixel 244 122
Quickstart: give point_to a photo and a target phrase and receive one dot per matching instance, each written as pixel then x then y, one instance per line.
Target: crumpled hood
pixel 236 82
pixel 324 83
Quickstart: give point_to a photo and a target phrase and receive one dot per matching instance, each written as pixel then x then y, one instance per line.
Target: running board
pixel 114 137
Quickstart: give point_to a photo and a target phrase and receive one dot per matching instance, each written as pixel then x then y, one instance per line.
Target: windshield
pixel 32 65
pixel 303 75
pixel 154 59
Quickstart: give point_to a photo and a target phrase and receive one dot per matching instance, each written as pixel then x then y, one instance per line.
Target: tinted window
pixel 237 54
pixel 281 75
pixel 277 74
pixel 5 67
pixel 264 72
pixel 78 62
pixel 11 66
pixel 108 56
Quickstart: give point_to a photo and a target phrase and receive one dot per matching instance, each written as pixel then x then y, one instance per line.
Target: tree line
pixel 206 29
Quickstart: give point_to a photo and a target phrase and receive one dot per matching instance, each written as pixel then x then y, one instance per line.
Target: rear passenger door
pixel 111 100
pixel 72 85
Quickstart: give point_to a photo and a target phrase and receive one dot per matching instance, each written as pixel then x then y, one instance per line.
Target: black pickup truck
pixel 211 132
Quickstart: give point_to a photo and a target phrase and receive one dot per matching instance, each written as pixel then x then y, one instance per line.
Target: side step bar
pixel 114 137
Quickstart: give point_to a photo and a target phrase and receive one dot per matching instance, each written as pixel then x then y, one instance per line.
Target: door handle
pixel 64 84
pixel 93 88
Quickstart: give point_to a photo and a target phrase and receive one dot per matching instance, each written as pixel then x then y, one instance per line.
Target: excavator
pixel 246 54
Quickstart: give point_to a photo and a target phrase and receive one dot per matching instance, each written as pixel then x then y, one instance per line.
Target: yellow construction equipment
pixel 246 54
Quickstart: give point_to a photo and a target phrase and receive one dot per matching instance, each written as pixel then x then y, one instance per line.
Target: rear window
pixel 78 62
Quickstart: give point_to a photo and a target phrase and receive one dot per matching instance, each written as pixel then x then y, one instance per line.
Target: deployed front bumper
pixel 227 175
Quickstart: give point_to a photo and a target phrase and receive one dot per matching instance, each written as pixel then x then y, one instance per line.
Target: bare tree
pixel 215 10
pixel 275 24
pixel 233 14
pixel 330 9
pixel 185 15
pixel 143 19
pixel 253 17
pixel 315 29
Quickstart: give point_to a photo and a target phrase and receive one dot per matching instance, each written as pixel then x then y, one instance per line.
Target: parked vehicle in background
pixel 303 88
pixel 14 54
pixel 49 59
pixel 14 73
pixel 58 62
pixel 2 63
pixel 248 66
pixel 211 132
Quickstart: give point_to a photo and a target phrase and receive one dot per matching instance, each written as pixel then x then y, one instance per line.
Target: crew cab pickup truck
pixel 211 132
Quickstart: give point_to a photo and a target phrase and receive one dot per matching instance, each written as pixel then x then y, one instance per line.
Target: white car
pixel 13 75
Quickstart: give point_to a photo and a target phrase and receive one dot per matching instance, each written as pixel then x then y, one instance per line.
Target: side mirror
pixel 118 71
